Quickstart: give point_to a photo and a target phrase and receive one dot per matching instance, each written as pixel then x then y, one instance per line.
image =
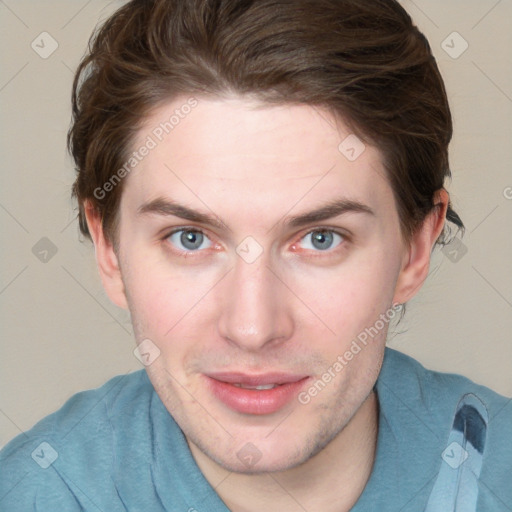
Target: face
pixel 253 253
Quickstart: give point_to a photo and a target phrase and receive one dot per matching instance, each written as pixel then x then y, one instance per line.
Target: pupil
pixel 322 239
pixel 191 239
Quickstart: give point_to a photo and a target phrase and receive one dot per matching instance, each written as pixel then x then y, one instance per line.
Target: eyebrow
pixel 166 207
pixel 330 210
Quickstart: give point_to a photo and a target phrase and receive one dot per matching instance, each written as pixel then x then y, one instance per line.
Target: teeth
pixel 259 388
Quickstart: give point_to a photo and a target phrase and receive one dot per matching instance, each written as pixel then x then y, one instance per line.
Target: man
pixel 263 184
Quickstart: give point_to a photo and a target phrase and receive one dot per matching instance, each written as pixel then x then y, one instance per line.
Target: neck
pixel 331 481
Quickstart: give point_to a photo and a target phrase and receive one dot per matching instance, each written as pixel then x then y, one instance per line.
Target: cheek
pixel 164 299
pixel 349 298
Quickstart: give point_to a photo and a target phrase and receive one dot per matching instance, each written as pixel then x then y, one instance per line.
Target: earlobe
pixel 416 261
pixel 106 258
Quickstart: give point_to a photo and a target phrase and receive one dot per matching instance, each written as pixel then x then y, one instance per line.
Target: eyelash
pixel 181 252
pixel 343 235
pixel 328 252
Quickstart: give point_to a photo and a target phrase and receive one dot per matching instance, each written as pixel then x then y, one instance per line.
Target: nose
pixel 254 307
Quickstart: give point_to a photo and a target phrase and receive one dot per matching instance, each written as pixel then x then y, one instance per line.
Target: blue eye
pixel 189 240
pixel 321 240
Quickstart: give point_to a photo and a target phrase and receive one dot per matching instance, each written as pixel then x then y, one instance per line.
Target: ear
pixel 416 261
pixel 106 258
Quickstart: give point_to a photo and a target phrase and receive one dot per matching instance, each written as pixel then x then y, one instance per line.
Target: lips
pixel 255 394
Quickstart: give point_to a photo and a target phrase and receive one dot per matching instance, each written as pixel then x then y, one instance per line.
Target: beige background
pixel 61 335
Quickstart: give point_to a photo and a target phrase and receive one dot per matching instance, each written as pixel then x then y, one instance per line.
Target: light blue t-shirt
pixel 444 444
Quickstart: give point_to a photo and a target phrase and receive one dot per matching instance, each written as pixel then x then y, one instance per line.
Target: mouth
pixel 255 394
pixel 257 388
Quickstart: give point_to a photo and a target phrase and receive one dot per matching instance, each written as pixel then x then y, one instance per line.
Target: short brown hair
pixel 363 60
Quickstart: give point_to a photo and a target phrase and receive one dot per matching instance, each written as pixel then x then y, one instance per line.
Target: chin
pixel 265 455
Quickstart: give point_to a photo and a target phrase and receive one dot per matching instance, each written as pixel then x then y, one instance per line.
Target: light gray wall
pixel 61 335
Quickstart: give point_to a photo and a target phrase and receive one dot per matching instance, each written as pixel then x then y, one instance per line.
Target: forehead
pixel 238 151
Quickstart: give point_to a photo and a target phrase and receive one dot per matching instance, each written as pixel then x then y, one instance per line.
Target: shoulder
pixel 437 392
pixel 45 458
pixel 85 410
pixel 442 415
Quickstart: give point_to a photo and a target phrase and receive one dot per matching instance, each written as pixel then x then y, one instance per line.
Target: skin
pixel 295 309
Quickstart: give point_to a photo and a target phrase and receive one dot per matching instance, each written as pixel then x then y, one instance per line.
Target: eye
pixel 189 240
pixel 321 240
